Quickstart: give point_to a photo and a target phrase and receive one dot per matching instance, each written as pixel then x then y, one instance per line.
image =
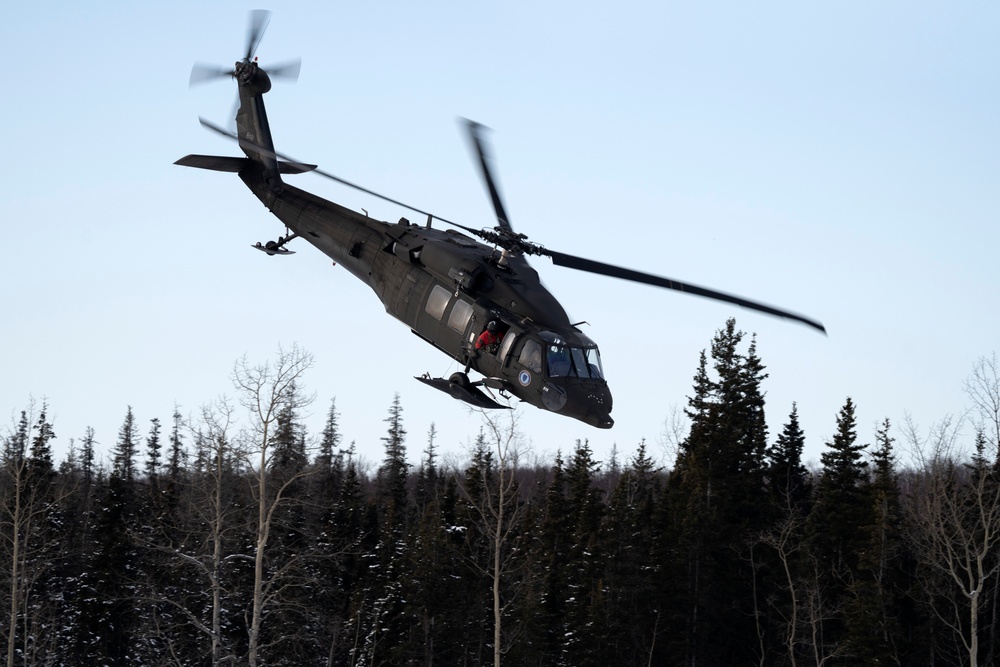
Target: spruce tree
pixel 834 536
pixel 178 456
pixel 787 476
pixel 330 439
pixel 841 502
pixel 126 448
pixel 718 501
pixel 628 534
pixel 879 589
pixel 153 447
pixel 393 471
pixel 289 438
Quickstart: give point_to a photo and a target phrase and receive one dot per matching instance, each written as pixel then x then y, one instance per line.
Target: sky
pixel 840 160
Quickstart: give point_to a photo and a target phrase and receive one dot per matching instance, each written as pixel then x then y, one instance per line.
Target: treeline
pixel 222 541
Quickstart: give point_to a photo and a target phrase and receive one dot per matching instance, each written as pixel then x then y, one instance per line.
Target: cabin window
pixel 460 314
pixel 437 302
pixel 531 356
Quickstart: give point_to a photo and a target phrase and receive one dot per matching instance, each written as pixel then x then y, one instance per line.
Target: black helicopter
pixel 448 287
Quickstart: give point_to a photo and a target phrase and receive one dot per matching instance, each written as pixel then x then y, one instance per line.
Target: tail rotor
pixel 259 20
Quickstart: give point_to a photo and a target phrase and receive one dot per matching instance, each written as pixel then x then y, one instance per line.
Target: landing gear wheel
pixel 461 379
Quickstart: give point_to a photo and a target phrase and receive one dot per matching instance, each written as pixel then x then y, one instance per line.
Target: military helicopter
pixel 450 284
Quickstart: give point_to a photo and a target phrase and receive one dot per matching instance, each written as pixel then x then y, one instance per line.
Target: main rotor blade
pixel 309 167
pixel 589 265
pixel 474 133
pixel 202 72
pixel 286 70
pixel 259 19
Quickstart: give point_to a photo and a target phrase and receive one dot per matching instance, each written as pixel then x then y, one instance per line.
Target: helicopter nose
pixel 596 401
pixel 589 402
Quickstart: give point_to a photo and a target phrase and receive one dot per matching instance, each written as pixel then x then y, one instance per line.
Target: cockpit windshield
pixel 567 361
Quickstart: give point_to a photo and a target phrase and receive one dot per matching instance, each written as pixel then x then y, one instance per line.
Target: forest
pixel 234 537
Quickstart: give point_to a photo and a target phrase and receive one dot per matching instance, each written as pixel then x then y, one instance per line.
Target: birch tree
pixel 494 503
pixel 265 390
pixel 954 519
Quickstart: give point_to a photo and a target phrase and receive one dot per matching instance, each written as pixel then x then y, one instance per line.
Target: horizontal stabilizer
pixel 213 162
pixel 234 164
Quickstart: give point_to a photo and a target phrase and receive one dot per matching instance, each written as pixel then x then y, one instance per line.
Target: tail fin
pixel 252 128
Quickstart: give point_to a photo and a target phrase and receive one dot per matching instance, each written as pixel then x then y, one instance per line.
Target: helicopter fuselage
pixel 446 286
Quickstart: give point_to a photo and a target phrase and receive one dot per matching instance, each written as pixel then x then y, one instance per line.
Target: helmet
pixel 492 327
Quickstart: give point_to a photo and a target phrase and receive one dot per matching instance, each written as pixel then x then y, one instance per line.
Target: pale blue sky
pixel 836 159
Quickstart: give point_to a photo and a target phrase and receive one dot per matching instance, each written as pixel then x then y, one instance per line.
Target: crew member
pixel 489 338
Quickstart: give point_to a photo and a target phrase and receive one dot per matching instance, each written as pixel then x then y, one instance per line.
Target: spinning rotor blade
pixel 202 72
pixel 310 167
pixel 259 18
pixel 509 239
pixel 474 134
pixel 589 265
pixel 287 70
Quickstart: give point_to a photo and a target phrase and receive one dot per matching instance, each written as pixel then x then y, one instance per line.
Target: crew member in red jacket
pixel 489 338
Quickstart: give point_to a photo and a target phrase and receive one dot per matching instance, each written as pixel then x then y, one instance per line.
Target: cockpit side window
pixel 566 361
pixel 594 362
pixel 531 356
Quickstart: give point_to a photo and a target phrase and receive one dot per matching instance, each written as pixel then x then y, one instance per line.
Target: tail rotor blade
pixel 287 70
pixel 203 72
pixel 259 18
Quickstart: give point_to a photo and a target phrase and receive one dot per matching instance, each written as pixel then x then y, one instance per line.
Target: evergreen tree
pixel 834 534
pixel 87 458
pixel 552 553
pixel 393 471
pixel 788 478
pixel 178 456
pixel 153 447
pixel 40 466
pixel 126 448
pixel 632 614
pixel 717 503
pixel 16 446
pixel 330 441
pixel 585 606
pixel 288 439
pixel 879 590
pixel 427 474
pixel 841 502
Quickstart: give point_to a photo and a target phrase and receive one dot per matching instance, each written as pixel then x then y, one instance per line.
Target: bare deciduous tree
pixel 983 388
pixel 28 498
pixel 208 513
pixel 264 390
pixel 785 538
pixel 954 519
pixel 498 511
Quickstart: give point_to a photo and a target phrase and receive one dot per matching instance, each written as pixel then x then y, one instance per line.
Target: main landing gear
pixel 459 386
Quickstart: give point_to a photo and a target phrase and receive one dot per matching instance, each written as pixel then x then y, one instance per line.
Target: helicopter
pixel 449 284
